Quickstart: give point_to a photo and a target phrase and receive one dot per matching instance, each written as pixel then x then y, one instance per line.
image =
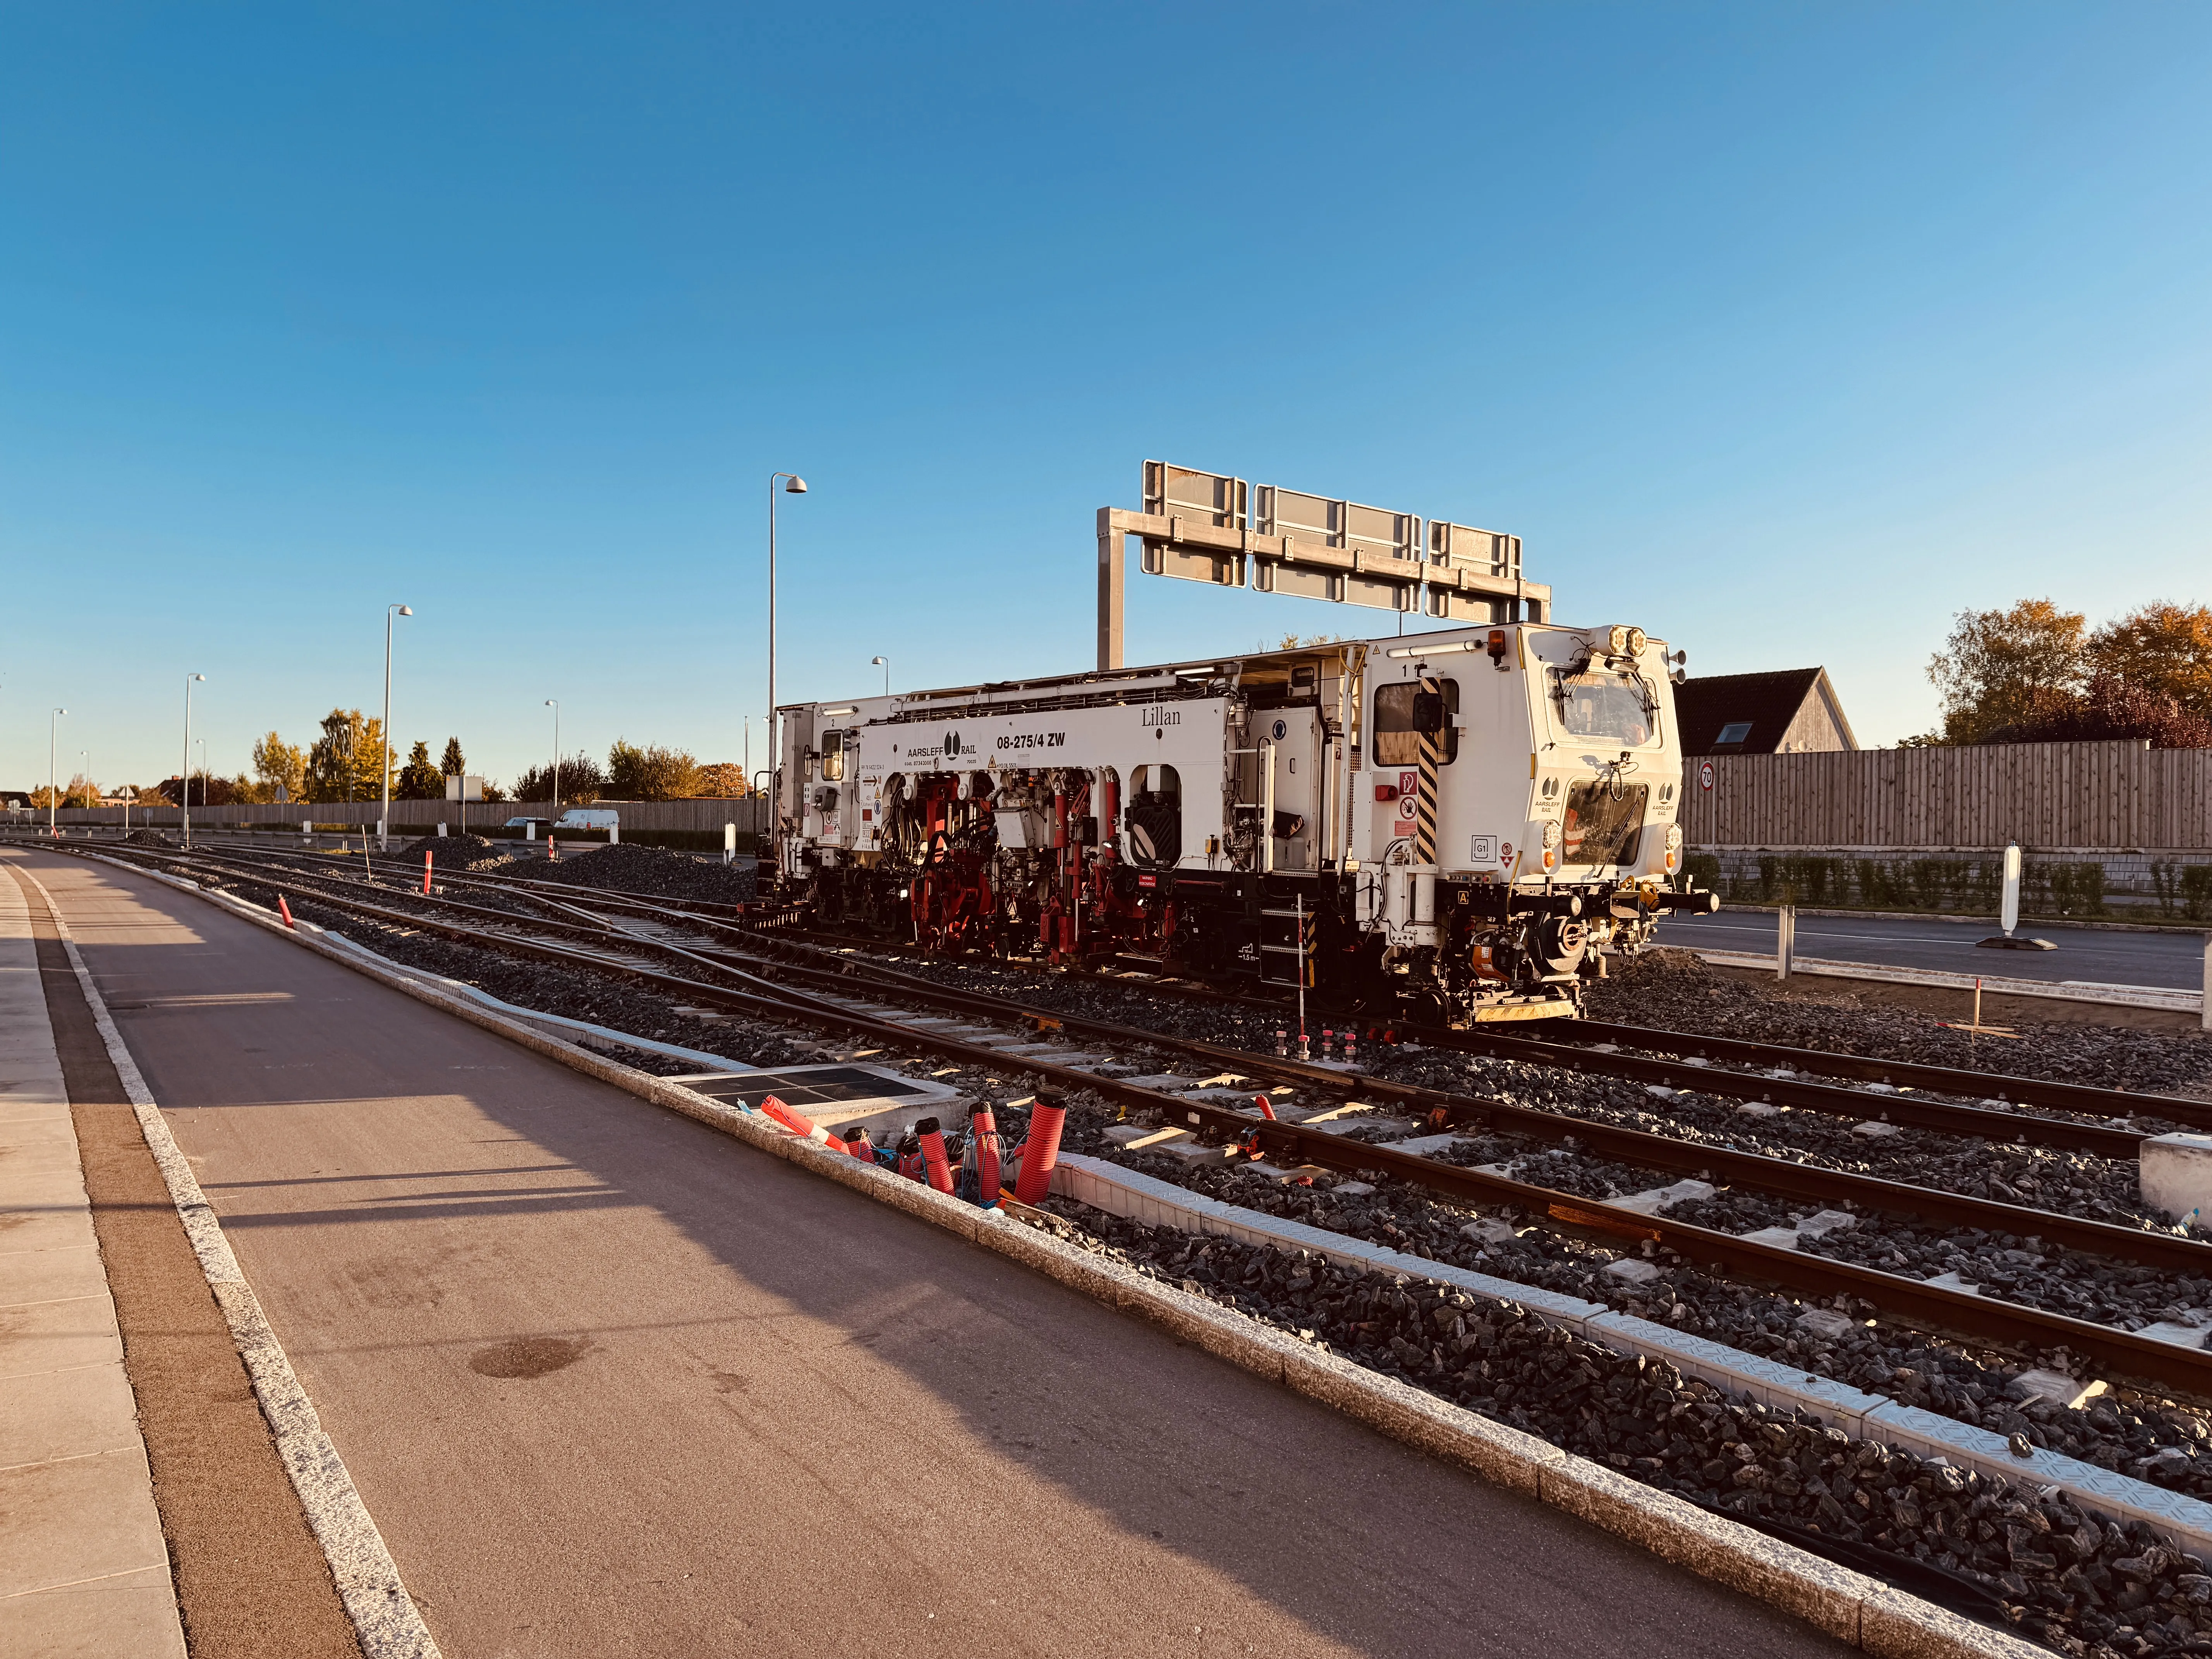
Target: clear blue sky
pixel 1784 331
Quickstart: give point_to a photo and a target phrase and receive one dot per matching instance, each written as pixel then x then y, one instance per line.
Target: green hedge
pixel 1950 885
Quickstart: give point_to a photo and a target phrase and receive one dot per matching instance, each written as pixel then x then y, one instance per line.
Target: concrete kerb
pixel 383 1615
pixel 1847 1605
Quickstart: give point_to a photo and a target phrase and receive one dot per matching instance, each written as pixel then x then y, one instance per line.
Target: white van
pixel 590 818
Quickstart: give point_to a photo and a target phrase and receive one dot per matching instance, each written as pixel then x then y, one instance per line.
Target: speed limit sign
pixel 1704 774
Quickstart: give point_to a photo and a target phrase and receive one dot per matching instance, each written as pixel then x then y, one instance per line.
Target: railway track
pixel 791 981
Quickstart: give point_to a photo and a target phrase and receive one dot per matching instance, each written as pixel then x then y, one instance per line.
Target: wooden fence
pixel 2100 796
pixel 645 818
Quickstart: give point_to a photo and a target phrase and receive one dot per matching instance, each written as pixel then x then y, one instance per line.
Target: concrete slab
pixel 52 1415
pixel 58 1336
pixel 83 1565
pixel 1663 1197
pixel 126 1613
pixel 2175 1172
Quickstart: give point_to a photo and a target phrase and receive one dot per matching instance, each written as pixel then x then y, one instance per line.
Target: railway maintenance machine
pixel 1460 825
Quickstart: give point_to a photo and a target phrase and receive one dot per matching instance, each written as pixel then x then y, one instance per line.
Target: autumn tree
pixel 2003 668
pixel 651 773
pixel 2162 650
pixel 278 765
pixel 452 763
pixel 723 781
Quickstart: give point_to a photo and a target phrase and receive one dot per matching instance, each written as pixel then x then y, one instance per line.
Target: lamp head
pixel 795 486
pixel 552 702
pixel 876 662
pixel 406 610
pixel 199 677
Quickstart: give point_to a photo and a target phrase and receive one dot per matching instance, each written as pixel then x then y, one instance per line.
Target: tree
pixel 278 765
pixel 346 763
pixel 723 781
pixel 2163 650
pixel 418 779
pixel 650 774
pixel 452 763
pixel 206 792
pixel 583 780
pixel 2004 668
pixel 2112 708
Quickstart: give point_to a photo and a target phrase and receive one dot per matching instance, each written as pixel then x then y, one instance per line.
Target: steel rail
pixel 1913 1301
pixel 2086 1098
pixel 1784 1177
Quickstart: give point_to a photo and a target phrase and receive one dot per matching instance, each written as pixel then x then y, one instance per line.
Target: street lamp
pixel 53 725
pixel 84 769
pixel 186 797
pixel 384 817
pixel 554 703
pixel 796 486
pixel 884 663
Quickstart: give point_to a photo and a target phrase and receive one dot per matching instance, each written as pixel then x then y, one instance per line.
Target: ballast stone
pixel 2175 1172
pixel 1631 1271
pixel 1826 1322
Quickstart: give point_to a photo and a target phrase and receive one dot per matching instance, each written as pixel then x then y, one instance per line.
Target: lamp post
pixel 384 816
pixel 884 663
pixel 185 800
pixel 554 703
pixel 84 770
pixel 53 797
pixel 795 486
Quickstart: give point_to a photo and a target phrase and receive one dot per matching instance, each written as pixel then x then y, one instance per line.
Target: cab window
pixel 1404 711
pixel 832 755
pixel 1611 707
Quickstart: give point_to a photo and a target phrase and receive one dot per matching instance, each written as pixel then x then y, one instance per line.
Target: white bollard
pixel 529 830
pixel 614 835
pixel 2204 1016
pixel 729 855
pixel 1785 939
pixel 442 826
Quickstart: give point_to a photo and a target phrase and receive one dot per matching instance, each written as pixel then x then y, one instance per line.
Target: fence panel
pixel 2114 797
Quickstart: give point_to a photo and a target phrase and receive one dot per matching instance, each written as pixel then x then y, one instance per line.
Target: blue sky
pixel 1782 331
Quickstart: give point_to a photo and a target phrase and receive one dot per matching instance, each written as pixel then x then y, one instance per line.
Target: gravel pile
pixel 466 854
pixel 2040 1565
pixel 150 838
pixel 632 869
pixel 1678 991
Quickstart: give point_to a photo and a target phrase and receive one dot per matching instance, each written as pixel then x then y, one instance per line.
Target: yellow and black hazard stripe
pixel 1432 706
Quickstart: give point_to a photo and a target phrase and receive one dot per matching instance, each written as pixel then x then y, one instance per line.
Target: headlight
pixel 1552 835
pixel 1674 837
pixel 1616 639
pixel 1638 639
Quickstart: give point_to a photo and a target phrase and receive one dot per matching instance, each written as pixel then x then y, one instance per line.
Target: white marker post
pixel 2008 909
pixel 2205 1017
pixel 730 843
pixel 1785 939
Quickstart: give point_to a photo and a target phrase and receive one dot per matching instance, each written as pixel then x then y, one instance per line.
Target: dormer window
pixel 1734 732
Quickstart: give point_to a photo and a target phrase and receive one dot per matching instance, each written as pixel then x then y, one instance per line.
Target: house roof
pixel 1767 703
